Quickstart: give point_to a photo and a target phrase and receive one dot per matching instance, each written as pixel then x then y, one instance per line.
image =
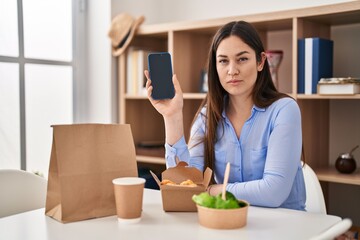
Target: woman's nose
pixel 233 70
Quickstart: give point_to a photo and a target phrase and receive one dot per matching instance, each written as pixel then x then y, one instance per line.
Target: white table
pixel 263 223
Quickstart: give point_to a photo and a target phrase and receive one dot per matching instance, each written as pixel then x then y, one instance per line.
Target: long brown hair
pixel 264 92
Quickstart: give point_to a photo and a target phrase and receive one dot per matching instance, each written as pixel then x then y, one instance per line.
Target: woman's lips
pixel 234 81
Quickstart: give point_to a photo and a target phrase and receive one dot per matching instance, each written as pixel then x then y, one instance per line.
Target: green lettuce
pixel 206 200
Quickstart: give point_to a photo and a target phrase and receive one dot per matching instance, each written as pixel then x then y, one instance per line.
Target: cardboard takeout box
pixel 179 198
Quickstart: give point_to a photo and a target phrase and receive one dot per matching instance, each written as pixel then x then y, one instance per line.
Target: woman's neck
pixel 239 105
pixel 239 111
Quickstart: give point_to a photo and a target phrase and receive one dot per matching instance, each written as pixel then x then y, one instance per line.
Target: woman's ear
pixel 262 62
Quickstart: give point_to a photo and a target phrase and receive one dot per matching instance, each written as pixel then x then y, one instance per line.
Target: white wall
pixel 99 87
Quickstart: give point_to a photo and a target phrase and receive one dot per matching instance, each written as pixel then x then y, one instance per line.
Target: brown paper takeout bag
pixel 85 158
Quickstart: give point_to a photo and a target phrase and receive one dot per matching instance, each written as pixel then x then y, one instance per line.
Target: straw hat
pixel 122 31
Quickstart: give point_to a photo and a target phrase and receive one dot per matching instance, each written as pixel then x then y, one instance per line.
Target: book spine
pixel 301 66
pixel 129 70
pixel 316 61
pixel 142 65
pixel 308 65
pixel 140 74
pixel 322 60
pixel 134 69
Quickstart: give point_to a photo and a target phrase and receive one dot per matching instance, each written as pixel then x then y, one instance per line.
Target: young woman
pixel 243 120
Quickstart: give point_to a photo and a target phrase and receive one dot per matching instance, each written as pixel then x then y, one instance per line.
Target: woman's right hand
pixel 166 107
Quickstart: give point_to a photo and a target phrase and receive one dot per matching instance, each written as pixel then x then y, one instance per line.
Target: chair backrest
pixel 21 191
pixel 335 230
pixel 315 201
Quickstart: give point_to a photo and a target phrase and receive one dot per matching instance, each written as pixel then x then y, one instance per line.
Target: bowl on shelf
pixel 346 163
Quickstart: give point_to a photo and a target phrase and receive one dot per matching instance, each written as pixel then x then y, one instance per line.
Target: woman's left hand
pixel 214 189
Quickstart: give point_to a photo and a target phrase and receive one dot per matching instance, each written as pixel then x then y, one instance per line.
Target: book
pixel 339 89
pixel 315 61
pixel 338 86
pixel 301 66
pixel 142 65
pixel 134 74
pixel 136 63
pixel 129 71
pixel 203 81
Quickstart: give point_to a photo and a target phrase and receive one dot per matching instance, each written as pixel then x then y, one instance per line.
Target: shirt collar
pixel 254 108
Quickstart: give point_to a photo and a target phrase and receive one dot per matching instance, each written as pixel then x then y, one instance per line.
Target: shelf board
pixel 148 159
pixel 332 175
pixel 317 96
pixel 135 96
pixel 194 95
pixel 298 96
pixel 185 96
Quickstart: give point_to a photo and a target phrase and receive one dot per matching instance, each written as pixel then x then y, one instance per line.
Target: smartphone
pixel 160 68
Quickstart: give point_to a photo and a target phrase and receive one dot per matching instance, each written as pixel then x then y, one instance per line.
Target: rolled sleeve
pixel 179 150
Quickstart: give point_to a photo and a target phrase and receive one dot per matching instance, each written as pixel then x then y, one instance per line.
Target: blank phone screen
pixel 160 69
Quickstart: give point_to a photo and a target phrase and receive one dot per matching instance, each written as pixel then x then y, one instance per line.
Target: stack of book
pixel 338 86
pixel 136 63
pixel 315 61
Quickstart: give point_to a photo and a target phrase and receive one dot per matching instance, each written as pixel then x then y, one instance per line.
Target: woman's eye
pixel 223 61
pixel 243 59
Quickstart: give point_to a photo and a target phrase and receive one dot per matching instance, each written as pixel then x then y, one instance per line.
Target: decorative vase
pixel 274 58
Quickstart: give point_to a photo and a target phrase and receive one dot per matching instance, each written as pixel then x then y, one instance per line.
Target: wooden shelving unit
pixel 330 174
pixel 148 159
pixel 188 43
pixel 317 96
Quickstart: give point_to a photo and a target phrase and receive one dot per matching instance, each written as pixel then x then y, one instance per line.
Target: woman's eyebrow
pixel 221 56
pixel 238 54
pixel 241 53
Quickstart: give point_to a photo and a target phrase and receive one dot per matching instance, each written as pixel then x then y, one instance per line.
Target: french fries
pixel 186 183
pixel 167 182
